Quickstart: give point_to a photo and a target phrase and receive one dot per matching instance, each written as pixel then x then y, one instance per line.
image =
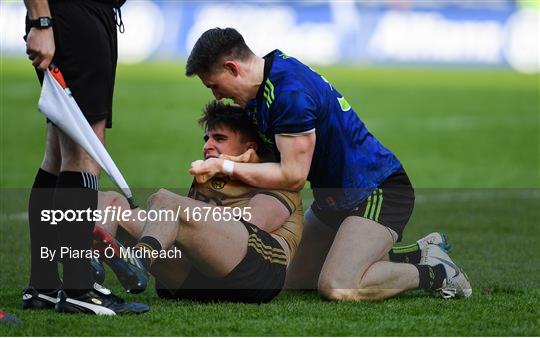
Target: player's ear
pixel 253 145
pixel 232 67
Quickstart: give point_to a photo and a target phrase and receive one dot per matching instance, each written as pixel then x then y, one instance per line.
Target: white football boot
pixel 456 284
pixel 435 238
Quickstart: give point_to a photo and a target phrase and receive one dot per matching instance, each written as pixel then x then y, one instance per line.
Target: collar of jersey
pixel 268 62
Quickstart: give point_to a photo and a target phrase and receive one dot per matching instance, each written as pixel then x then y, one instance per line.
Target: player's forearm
pixel 268 176
pixel 37 8
pixel 287 175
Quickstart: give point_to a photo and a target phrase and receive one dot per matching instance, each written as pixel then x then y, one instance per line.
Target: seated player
pixel 236 260
pixel 222 138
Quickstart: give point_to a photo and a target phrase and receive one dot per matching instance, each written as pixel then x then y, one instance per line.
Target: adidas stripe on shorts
pixel 258 278
pixel 391 205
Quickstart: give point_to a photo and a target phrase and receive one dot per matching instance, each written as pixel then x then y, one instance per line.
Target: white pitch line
pixel 16 216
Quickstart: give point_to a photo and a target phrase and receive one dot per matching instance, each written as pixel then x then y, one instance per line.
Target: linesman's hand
pixel 40 47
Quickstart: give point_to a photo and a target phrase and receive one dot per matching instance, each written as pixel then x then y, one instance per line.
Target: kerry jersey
pixel 222 191
pixel 348 163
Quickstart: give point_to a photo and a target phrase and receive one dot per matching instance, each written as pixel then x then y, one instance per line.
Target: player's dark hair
pixel 216 113
pixel 213 46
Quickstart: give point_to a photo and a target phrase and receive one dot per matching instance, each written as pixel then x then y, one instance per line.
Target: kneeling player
pixel 240 260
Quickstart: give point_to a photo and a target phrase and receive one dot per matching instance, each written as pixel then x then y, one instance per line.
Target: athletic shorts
pixel 391 205
pixel 258 278
pixel 86 53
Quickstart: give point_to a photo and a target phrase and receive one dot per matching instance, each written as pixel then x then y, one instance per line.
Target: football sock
pixel 76 191
pixel 43 272
pixel 125 237
pixel 147 243
pixel 405 254
pixel 431 277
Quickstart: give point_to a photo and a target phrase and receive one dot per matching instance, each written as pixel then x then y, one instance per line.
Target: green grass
pixel 468 139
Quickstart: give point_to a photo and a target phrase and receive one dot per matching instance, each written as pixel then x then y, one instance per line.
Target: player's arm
pixel 269 211
pixel 290 174
pixel 292 171
pixel 40 45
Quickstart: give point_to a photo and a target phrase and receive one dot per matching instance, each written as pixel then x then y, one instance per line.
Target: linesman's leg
pixel 43 272
pixel 77 189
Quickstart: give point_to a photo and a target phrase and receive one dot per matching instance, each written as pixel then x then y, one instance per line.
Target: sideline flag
pixel 59 106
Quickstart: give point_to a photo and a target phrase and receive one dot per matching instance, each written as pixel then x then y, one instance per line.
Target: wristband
pixel 228 167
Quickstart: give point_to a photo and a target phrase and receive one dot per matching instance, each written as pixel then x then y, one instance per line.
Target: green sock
pixel 405 254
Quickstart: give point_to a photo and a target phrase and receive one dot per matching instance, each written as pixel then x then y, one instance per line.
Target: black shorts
pixel 258 278
pixel 86 53
pixel 391 205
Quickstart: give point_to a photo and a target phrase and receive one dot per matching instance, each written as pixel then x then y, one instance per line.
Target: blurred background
pixel 450 86
pixel 484 33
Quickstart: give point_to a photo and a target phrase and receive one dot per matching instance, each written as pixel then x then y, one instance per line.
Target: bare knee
pixel 333 295
pixel 332 290
pixel 163 199
pixel 112 198
pixel 74 157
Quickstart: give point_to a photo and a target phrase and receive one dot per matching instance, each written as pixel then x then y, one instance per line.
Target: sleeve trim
pixel 302 133
pixel 279 198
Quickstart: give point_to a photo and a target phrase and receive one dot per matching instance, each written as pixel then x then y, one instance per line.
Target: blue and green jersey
pixel 348 162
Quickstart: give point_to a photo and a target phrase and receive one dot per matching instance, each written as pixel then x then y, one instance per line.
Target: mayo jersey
pixel 222 191
pixel 348 163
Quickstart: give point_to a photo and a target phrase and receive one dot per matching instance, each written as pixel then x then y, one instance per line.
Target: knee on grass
pixel 330 291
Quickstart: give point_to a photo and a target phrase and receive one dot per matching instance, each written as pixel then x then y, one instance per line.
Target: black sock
pixel 431 277
pixel 148 243
pixel 43 272
pixel 76 191
pixel 125 238
pixel 405 254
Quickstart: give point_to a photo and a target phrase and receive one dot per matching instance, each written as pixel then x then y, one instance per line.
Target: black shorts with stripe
pixel 391 205
pixel 86 53
pixel 258 278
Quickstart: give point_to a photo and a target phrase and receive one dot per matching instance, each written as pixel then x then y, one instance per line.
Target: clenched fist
pixel 40 47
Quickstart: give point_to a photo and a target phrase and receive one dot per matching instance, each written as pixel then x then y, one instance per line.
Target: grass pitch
pixel 468 139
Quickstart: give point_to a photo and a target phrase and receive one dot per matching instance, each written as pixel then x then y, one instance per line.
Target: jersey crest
pixel 218 183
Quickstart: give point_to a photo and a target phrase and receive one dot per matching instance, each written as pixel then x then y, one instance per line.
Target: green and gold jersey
pixel 223 191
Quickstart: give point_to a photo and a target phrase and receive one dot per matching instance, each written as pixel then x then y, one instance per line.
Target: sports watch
pixel 41 22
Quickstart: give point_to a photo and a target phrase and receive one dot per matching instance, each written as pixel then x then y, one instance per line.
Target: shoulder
pixel 288 74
